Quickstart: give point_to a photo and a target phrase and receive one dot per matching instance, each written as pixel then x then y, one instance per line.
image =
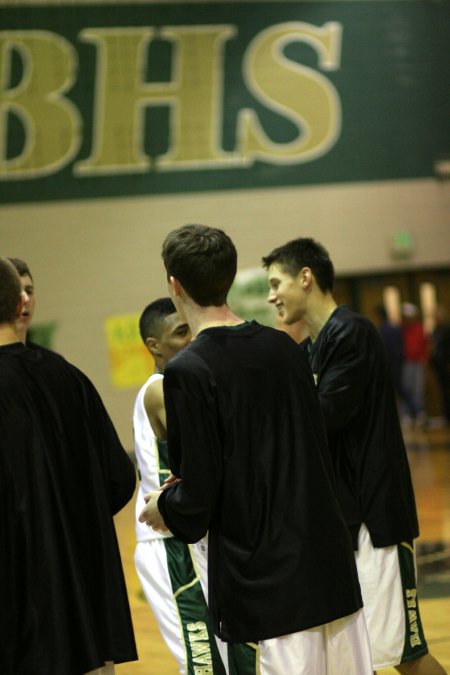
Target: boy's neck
pixel 8 335
pixel 318 314
pixel 200 318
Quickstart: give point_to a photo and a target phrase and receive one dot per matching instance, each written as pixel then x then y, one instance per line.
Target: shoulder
pixel 349 335
pixel 344 322
pixel 189 378
pixel 267 332
pixel 343 315
pixel 274 338
pixel 45 350
pixel 150 382
pixel 153 393
pixel 55 367
pixel 188 363
pixel 66 376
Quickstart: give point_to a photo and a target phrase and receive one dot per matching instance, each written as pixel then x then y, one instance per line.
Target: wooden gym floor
pixel 429 456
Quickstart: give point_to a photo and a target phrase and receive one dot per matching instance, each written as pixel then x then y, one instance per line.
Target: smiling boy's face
pixel 285 292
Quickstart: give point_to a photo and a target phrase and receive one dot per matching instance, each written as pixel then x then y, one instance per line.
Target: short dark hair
pixel 10 290
pixel 21 266
pixel 304 252
pixel 150 323
pixel 204 260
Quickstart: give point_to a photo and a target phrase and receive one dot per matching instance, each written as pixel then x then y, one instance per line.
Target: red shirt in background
pixel 416 342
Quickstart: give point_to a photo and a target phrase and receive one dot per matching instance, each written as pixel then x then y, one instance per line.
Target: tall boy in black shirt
pixel 247 447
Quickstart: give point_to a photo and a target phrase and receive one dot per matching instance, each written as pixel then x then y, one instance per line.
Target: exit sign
pixel 402 244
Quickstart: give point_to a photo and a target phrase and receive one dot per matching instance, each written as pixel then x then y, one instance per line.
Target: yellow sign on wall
pixel 130 361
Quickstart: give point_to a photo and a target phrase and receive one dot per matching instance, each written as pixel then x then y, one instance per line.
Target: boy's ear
pixel 175 286
pixel 152 345
pixel 305 277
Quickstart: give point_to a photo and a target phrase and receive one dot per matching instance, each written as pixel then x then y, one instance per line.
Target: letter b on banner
pixel 50 122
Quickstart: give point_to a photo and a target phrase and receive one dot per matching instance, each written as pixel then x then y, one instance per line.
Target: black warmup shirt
pixel 358 402
pixel 63 474
pixel 246 436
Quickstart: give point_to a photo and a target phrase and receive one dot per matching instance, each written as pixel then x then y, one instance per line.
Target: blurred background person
pixel 440 358
pixel 413 373
pixel 392 336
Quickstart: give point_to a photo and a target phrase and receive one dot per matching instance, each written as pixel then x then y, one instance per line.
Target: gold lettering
pixel 193 95
pixel 412 616
pixel 411 597
pixel 201 650
pixel 411 602
pixel 415 641
pixel 202 635
pixel 50 122
pixel 197 115
pixel 198 625
pixel 296 92
pixel 203 659
pixel 120 96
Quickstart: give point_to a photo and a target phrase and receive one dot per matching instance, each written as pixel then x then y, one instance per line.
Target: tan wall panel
pixel 93 259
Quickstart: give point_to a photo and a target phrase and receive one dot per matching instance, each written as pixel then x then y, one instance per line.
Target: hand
pixel 170 482
pixel 150 513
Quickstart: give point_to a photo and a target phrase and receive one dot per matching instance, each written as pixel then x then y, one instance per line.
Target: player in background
pixel 164 564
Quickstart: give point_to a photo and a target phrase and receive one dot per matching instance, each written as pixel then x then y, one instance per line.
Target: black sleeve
pixel 341 380
pixel 194 449
pixel 118 469
pixel 122 474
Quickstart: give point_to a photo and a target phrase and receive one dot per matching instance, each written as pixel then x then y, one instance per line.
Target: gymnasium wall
pixel 122 121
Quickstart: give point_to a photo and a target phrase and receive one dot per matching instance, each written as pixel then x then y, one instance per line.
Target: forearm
pixel 188 518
